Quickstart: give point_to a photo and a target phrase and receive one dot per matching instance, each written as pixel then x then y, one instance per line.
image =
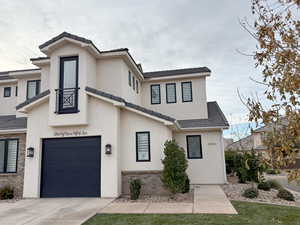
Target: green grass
pixel 249 214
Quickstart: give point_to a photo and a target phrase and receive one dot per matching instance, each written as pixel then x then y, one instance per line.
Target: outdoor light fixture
pixel 30 152
pixel 108 149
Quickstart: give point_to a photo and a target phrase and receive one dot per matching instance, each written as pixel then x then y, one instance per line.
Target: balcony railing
pixel 66 100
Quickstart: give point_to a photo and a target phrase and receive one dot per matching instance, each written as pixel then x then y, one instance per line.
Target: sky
pixel 167 34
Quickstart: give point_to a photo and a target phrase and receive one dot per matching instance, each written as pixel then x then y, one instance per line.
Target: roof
pixel 11 122
pixel 130 105
pixel 216 118
pixel 164 73
pixel 4 75
pixel 31 100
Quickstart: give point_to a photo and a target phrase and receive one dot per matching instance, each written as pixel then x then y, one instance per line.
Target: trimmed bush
pixel 272 171
pixel 187 186
pixel 6 193
pixel 250 193
pixel 275 184
pixel 174 176
pixel 286 195
pixel 264 186
pixel 135 189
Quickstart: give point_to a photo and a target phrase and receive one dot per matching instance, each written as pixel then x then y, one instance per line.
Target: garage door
pixel 71 167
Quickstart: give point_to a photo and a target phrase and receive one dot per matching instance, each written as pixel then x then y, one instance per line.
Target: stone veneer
pixel 15 180
pixel 152 184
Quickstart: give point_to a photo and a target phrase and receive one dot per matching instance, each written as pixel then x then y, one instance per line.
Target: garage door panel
pixel 71 167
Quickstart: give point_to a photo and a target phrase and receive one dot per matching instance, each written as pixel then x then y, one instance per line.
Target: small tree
pixel 174 174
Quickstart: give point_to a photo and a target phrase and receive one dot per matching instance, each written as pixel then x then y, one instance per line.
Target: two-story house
pixel 87 120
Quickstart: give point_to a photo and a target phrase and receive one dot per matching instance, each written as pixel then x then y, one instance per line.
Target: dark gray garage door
pixel 71 167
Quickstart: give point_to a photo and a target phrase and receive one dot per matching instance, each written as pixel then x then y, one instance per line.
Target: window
pixel 7 92
pixel 33 88
pixel 137 86
pixel 8 155
pixel 155 94
pixel 187 95
pixel 16 90
pixel 194 146
pixel 129 78
pixel 143 146
pixel 133 82
pixel 171 93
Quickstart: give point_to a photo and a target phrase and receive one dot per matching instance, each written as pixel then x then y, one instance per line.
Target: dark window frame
pixel 61 109
pixel 4 92
pixel 191 90
pixel 133 83
pixel 171 84
pixel 37 87
pixel 155 85
pixel 137 86
pixel 136 146
pixel 6 154
pixel 188 150
pixel 129 78
pixel 16 91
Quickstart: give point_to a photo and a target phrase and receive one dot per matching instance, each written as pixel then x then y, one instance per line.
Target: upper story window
pixel 129 78
pixel 155 93
pixel 194 146
pixel 137 86
pixel 143 146
pixel 8 155
pixel 133 82
pixel 7 92
pixel 187 94
pixel 67 94
pixel 33 88
pixel 171 93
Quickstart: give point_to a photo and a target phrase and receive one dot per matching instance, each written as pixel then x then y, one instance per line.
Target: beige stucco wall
pixel 159 133
pixel 211 168
pixel 8 104
pixel 197 109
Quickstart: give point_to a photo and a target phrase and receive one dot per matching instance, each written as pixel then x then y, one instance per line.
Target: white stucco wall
pixel 197 109
pixel 211 168
pixel 159 133
pixel 8 104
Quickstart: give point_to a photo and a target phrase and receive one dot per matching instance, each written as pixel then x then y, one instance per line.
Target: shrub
pixel 286 195
pixel 6 193
pixel 272 171
pixel 135 189
pixel 250 193
pixel 275 184
pixel 264 186
pixel 174 176
pixel 187 186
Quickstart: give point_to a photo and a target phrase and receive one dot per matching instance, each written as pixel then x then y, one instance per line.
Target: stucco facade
pixel 112 100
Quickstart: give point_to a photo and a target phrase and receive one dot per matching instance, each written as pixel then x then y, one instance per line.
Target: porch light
pixel 108 149
pixel 30 152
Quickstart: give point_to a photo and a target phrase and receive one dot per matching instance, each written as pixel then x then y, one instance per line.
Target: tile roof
pixel 216 118
pixel 130 105
pixel 11 122
pixel 165 73
pixel 31 100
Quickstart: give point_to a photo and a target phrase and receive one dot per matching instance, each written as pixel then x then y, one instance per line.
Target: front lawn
pixel 249 214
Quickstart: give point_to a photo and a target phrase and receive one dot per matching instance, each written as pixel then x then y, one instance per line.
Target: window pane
pixel 171 93
pixel 129 78
pixel 2 152
pixel 32 89
pixel 70 74
pixel 187 92
pixel 133 83
pixel 137 86
pixel 7 91
pixel 143 146
pixel 194 147
pixel 12 152
pixel 155 94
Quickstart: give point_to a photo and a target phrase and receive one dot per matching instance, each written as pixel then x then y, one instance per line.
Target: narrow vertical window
pixel 171 93
pixel 137 86
pixel 7 92
pixel 133 82
pixel 33 88
pixel 129 78
pixel 143 146
pixel 194 146
pixel 8 156
pixel 187 95
pixel 155 93
pixel 16 90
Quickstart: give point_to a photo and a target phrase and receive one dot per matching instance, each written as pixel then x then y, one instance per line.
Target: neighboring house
pixel 227 141
pixel 87 121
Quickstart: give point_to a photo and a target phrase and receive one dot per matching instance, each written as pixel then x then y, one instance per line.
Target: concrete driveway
pixel 54 211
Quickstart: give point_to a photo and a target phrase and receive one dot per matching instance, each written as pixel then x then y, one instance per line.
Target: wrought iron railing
pixel 66 100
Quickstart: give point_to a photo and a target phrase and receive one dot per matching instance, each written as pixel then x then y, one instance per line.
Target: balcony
pixel 66 100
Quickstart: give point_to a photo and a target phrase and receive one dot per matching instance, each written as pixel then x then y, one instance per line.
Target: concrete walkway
pixel 54 211
pixel 207 199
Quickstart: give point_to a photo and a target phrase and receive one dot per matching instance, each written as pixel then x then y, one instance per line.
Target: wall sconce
pixel 30 152
pixel 108 149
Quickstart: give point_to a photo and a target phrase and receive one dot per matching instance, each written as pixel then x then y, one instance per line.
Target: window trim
pixel 129 78
pixel 188 150
pixel 155 103
pixel 172 84
pixel 187 82
pixel 7 88
pixel 6 152
pixel 37 89
pixel 136 146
